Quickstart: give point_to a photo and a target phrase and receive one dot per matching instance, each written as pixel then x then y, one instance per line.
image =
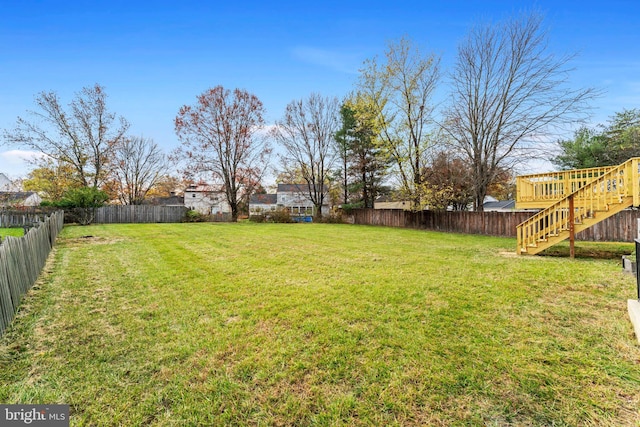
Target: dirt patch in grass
pixel 591 250
pixel 585 253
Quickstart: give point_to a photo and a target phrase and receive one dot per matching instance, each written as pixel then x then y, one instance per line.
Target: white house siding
pixel 206 199
pixel 5 183
pixel 295 197
pixel 292 197
pixel 260 204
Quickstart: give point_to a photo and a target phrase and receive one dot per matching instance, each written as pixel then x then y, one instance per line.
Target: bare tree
pixel 307 135
pixel 508 92
pixel 82 136
pixel 400 89
pixel 220 136
pixel 138 165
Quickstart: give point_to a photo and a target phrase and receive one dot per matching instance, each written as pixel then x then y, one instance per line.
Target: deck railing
pixel 542 190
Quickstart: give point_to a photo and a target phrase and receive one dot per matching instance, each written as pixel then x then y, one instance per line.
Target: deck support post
pixel 572 228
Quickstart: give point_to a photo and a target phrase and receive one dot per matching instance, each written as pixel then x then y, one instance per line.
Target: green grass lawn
pixel 284 324
pixel 15 232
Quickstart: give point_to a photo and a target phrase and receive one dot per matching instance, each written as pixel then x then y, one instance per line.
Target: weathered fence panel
pixel 8 290
pixel 21 260
pixel 618 228
pixel 138 214
pixel 23 217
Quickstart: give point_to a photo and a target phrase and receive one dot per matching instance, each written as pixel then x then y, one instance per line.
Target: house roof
pixel 165 201
pixel 502 204
pixel 15 196
pixel 263 199
pixel 294 188
pixel 204 188
pixel 389 198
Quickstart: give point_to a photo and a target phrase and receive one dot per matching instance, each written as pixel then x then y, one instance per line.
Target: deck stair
pixel 575 199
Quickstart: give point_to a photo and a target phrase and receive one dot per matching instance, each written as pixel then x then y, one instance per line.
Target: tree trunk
pixel 478 200
pixel 365 190
pixel 234 212
pixel 345 182
pixel 317 215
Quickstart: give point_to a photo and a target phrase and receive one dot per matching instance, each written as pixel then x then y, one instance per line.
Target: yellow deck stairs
pixel 575 199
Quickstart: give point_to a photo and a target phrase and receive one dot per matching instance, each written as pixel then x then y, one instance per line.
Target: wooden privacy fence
pixel 24 217
pixel 618 228
pixel 21 260
pixel 137 214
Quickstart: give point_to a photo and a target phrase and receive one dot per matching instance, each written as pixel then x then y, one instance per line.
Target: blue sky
pixel 154 57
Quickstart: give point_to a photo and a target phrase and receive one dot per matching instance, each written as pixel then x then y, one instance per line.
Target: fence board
pixel 17 277
pixel 21 260
pixel 139 214
pixel 23 217
pixel 618 228
pixel 6 302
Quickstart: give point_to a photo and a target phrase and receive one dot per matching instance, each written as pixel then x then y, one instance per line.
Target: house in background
pixel 10 197
pixel 390 202
pixel 491 204
pixel 19 199
pixel 6 184
pixel 292 197
pixel 206 199
pixel 295 198
pixel 499 205
pixel 261 204
pixel 173 200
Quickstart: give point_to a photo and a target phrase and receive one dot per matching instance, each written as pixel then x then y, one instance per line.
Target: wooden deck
pixel 572 201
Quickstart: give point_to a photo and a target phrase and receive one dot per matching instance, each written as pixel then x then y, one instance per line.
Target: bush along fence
pixel 618 228
pixel 21 260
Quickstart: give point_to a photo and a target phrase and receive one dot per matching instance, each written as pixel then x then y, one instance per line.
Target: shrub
pixel 333 218
pixel 257 218
pixel 349 207
pixel 194 216
pixel 280 216
pixel 79 204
